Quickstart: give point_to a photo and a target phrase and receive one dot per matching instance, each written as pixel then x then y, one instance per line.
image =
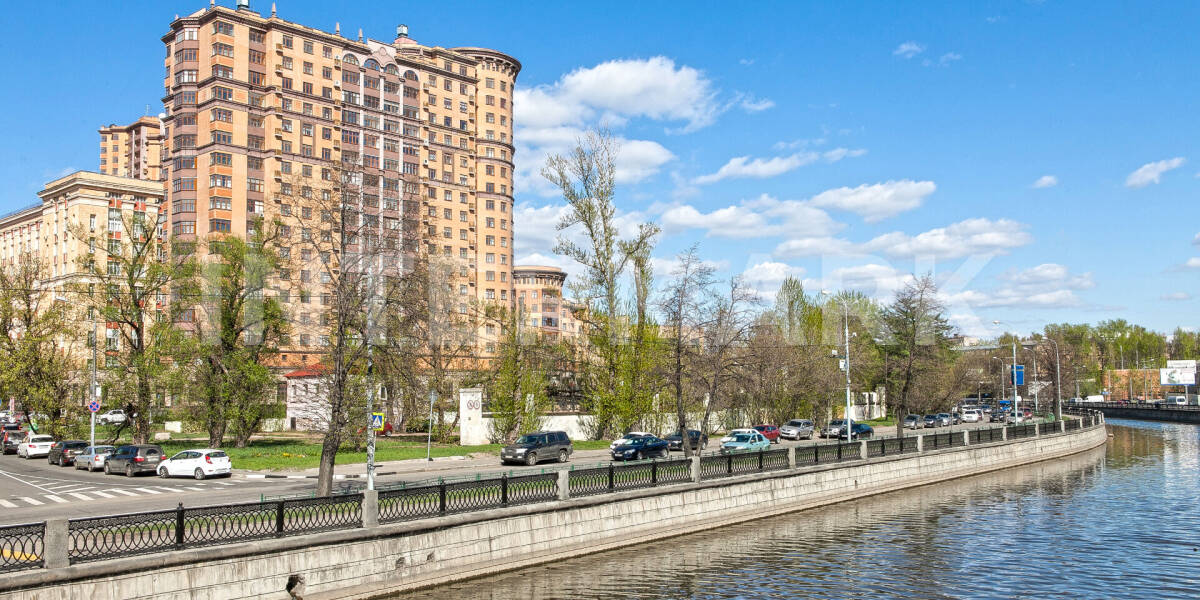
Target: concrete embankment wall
pixel 367 563
pixel 1151 414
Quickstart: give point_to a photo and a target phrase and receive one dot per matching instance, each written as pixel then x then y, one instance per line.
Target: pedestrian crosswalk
pixel 67 492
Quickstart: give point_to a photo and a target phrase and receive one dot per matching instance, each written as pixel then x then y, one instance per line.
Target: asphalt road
pixel 33 490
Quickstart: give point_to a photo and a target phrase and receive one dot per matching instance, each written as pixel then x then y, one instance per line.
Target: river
pixel 1116 522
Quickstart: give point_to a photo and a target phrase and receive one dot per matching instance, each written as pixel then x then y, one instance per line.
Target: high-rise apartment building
pixel 420 137
pixel 133 150
pixel 541 304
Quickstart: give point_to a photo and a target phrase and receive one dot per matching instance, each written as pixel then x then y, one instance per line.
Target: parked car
pixel 914 422
pixel 34 445
pixel 697 440
pixel 797 429
pixel 932 421
pixel 198 463
pixel 945 419
pixel 998 416
pixel 625 438
pixel 134 459
pixel 640 448
pixel 7 417
pixel 538 446
pixel 861 431
pixel 63 453
pixel 833 429
pixel 770 432
pixel 12 438
pixel 93 457
pixel 734 432
pixel 111 417
pixel 1017 418
pixel 746 442
pixel 972 416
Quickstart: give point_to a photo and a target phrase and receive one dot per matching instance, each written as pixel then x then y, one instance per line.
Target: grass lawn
pixel 884 422
pixel 290 454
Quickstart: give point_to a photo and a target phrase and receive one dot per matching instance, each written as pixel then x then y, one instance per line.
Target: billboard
pixel 1182 374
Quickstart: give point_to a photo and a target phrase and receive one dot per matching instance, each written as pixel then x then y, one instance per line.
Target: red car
pixel 770 432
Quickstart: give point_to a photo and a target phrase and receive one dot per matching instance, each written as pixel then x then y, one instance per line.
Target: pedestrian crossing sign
pixel 377 421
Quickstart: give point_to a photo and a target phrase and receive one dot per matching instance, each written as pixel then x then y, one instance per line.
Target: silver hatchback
pixel 797 429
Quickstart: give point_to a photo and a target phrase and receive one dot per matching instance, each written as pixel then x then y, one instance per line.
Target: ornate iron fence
pixel 957 439
pixel 99 538
pixel 678 471
pixel 589 482
pixel 774 460
pixel 1071 424
pixel 407 504
pixel 937 441
pixel 529 489
pixel 21 547
pixel 310 515
pixel 714 465
pixel 211 525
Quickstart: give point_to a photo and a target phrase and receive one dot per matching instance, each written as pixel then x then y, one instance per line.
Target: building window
pixel 219 225
pixel 222 93
pixel 220 158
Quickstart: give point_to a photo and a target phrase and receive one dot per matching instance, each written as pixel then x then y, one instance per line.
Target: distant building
pixel 1135 384
pixel 540 301
pixel 133 150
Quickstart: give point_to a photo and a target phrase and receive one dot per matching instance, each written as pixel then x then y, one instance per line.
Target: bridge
pixel 1173 413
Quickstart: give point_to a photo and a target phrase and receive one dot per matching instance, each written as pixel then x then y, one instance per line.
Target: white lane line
pixel 121 491
pixel 80 496
pixel 222 483
pixel 31 501
pixel 23 481
pixel 148 490
pixel 169 490
pixel 101 494
pixel 194 489
pixel 71 488
pixel 7 504
pixel 55 498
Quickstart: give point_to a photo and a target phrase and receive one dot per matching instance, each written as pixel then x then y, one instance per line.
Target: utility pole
pixel 429 438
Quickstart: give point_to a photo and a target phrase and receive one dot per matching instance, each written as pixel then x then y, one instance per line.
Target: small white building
pixel 307 399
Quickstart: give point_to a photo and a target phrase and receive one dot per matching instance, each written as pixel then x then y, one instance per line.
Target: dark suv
pixel 11 438
pixel 132 460
pixel 538 446
pixel 63 453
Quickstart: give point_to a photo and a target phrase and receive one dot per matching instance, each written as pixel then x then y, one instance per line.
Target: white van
pixel 1177 400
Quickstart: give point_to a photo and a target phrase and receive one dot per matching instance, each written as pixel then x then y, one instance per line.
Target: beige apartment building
pixel 540 300
pixel 133 150
pixel 265 117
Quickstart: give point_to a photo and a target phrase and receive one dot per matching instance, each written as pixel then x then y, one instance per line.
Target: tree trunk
pixel 329 448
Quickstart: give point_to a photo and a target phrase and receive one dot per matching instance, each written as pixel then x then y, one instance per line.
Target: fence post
pixel 279 518
pixel 966 438
pixel 816 454
pixel 791 457
pixel 1037 429
pixel 1004 432
pixel 1062 426
pixel 760 459
pixel 55 544
pixel 921 443
pixel 696 469
pixel 179 526
pixel 370 509
pixel 564 485
pixel 864 449
pixel 504 489
pixel 611 480
pixel 729 463
pixel 653 472
pixel 442 497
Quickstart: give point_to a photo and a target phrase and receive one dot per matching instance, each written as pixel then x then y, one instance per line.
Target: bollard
pixel 55 544
pixel 966 438
pixel 920 443
pixel 1004 433
pixel 791 457
pixel 564 485
pixel 1062 426
pixel 696 469
pixel 370 509
pixel 1037 430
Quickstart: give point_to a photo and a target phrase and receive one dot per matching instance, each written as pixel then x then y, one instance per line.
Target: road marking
pixel 101 494
pixel 71 488
pixel 148 490
pixel 120 491
pixel 80 496
pixel 7 504
pixel 25 482
pixel 55 498
pixel 31 501
pixel 169 490
pixel 194 489
pixel 222 483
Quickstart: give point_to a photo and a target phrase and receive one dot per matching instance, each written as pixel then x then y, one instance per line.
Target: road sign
pixel 1018 375
pixel 94 405
pixel 377 421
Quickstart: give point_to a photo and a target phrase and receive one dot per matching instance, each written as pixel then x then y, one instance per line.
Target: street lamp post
pixel 1016 401
pixel 1057 381
pixel 846 334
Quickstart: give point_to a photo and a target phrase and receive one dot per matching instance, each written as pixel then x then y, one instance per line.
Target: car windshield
pixel 743 437
pixel 41 438
pixel 796 423
pixel 529 439
pixel 637 441
pixel 217 454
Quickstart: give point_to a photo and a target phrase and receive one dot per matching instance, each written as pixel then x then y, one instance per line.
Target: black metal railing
pixel 100 538
pixel 21 547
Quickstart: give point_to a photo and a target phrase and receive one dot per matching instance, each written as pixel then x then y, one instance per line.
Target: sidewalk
pixel 475 462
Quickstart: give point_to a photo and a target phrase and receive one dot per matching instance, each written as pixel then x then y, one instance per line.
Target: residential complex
pixel 269 118
pixel 540 300
pixel 133 150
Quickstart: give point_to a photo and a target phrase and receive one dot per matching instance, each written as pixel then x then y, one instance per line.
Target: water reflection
pixel 1090 526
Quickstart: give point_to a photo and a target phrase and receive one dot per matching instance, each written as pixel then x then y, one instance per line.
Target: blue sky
pixel 1039 157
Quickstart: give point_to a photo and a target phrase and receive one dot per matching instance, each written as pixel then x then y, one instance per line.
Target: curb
pixel 336 476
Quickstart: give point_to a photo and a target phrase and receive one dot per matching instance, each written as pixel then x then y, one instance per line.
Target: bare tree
pixel 723 347
pixel 684 303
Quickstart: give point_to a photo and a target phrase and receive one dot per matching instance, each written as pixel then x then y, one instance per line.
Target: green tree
pixel 519 378
pixel 916 342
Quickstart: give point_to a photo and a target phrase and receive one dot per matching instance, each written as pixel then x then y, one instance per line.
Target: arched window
pixel 350 59
pixel 410 75
pixel 371 64
pixel 391 70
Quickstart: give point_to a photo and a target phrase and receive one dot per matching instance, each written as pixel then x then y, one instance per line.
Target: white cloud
pixel 1152 172
pixel 965 238
pixel 875 280
pixel 875 202
pixel 1176 297
pixel 538 227
pixel 1045 181
pixel 1192 263
pixel 816 246
pixel 1196 240
pixel 639 159
pixel 948 58
pixel 908 50
pixel 761 168
pixel 762 216
pixel 800 143
pixel 1047 285
pixel 1049 273
pixel 664 268
pixel 766 277
pixel 746 62
pixel 752 105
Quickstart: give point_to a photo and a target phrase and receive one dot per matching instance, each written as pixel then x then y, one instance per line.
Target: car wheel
pixel 129 470
pixel 107 471
pixel 666 453
pixel 199 474
pixel 531 459
pixel 640 456
pixel 162 472
pixel 562 456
